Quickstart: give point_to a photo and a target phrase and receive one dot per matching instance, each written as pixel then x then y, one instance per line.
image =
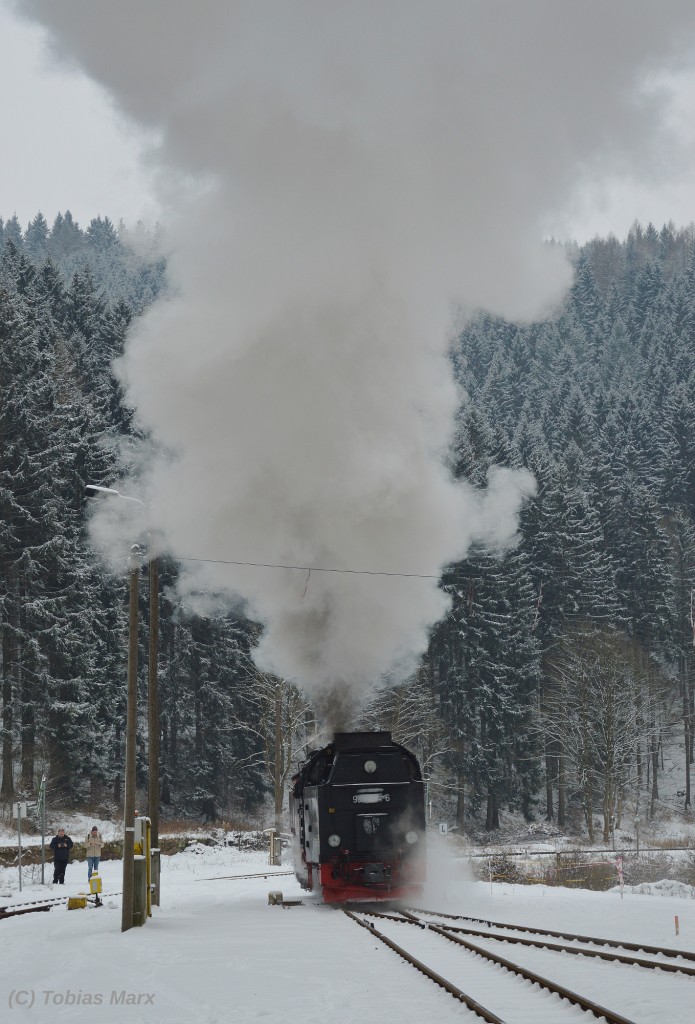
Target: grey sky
pixel 66 147
pixel 63 144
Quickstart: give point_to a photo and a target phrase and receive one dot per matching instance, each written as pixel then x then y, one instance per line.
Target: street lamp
pixel 93 490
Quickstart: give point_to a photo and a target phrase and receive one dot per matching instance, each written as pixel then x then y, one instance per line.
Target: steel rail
pixel 34 906
pixel 573 997
pixel 33 903
pixel 577 950
pixel 637 947
pixel 261 874
pixel 45 899
pixel 584 1004
pixel 26 910
pixel 457 993
pixel 53 899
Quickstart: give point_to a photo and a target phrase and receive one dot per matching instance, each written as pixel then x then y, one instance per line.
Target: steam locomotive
pixel 357 815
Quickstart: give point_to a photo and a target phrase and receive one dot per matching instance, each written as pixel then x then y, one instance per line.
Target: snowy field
pixel 216 952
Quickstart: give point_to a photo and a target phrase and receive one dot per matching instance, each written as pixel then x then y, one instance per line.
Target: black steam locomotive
pixel 357 813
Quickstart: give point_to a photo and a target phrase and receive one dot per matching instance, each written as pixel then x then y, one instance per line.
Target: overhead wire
pixel 311 568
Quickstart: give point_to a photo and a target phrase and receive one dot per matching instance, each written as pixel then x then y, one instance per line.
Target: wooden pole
pixel 153 709
pixel 278 759
pixel 130 744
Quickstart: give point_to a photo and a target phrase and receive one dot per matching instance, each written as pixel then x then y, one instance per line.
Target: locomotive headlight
pixel 410 837
pixel 370 767
pixel 334 840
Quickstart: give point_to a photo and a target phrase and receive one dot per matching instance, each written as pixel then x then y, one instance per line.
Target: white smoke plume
pixel 359 169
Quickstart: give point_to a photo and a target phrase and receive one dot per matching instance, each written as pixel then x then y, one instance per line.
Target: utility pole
pixel 153 714
pixel 278 760
pixel 19 843
pixel 152 710
pixel 42 812
pixel 130 744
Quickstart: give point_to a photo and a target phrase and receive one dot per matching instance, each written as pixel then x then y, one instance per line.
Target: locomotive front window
pixel 372 832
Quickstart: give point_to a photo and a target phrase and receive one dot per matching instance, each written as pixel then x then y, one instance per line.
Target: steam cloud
pixel 361 167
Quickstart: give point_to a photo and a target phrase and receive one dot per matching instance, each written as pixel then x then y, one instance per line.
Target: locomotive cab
pixel 357 814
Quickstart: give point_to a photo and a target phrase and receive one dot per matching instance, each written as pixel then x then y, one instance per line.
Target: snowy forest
pixel 565 663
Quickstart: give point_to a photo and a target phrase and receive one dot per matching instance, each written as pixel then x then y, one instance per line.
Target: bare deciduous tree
pixel 601 686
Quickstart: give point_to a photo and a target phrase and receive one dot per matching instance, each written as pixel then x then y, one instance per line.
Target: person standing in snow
pixel 94 843
pixel 61 846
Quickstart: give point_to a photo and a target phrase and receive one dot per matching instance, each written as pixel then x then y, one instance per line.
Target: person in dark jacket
pixel 61 846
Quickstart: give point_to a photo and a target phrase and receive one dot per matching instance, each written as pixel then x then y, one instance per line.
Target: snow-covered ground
pixel 216 952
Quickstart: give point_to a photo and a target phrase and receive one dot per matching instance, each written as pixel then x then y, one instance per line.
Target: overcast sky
pixel 64 146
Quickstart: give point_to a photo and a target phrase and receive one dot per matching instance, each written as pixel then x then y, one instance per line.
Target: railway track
pixel 495 995
pixel 22 910
pixel 258 874
pixel 578 945
pixel 438 979
pixel 37 906
pixel 591 946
